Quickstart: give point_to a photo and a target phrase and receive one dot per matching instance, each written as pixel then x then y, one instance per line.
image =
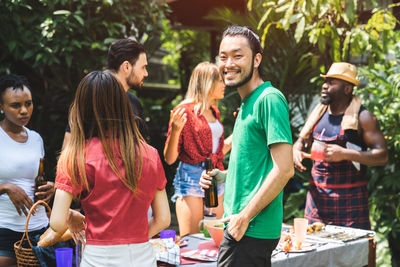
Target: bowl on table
pixel 216 230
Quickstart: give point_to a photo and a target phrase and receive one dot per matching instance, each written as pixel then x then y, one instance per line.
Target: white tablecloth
pixel 353 253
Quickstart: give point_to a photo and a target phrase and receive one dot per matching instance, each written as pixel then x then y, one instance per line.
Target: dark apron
pixel 338 192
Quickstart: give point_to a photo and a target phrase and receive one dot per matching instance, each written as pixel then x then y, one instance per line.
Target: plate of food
pixel 287 244
pixel 341 234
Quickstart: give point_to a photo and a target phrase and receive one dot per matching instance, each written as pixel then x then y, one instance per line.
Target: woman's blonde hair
pixel 101 109
pixel 203 79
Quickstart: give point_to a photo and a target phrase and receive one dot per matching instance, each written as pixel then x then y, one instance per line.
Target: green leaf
pixel 293 204
pixel 298 34
pixel 346 46
pixel 76 44
pixel 95 45
pixel 250 5
pixel 336 50
pixel 264 18
pixel 79 19
pixel 266 29
pixel 68 60
pixel 62 12
pixel 108 41
pixel 288 15
pixel 350 11
pixel 28 54
pixel 313 35
pixel 321 44
pixel 11 45
pixel 38 57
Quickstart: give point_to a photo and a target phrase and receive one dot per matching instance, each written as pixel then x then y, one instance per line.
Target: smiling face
pixel 17 106
pixel 138 72
pixel 236 62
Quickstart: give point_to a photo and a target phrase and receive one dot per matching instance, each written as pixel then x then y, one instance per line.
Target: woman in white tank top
pixel 20 153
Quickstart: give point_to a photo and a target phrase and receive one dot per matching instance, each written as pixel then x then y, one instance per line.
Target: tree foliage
pixel 334 27
pixel 56 42
pixel 381 96
pixel 186 49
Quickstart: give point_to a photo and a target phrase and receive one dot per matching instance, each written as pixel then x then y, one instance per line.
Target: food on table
pixel 287 246
pixel 315 227
pixel 158 245
pixel 287 238
pixel 298 245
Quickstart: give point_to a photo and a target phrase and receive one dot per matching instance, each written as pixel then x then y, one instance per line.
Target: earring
pixel 1 112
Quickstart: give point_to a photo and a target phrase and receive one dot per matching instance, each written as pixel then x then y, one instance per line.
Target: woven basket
pixel 25 256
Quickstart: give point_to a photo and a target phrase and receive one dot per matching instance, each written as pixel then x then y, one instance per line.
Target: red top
pixel 113 215
pixel 195 140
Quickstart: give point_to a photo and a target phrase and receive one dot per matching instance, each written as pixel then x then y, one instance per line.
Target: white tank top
pixel 19 164
pixel 216 131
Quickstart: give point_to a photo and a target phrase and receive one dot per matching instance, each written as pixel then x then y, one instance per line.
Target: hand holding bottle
pixel 211 193
pixel 45 192
pixel 205 179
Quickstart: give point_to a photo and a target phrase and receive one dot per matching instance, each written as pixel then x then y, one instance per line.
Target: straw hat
pixel 344 71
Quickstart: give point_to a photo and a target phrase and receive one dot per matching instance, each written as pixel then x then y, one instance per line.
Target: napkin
pixel 207 251
pixel 166 250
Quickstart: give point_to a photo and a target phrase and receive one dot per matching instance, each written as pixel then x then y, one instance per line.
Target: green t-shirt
pixel 263 120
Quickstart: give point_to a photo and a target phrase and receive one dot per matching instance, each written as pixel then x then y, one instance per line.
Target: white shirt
pixel 216 130
pixel 19 164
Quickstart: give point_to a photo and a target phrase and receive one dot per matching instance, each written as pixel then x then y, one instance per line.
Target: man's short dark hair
pixel 123 50
pixel 251 36
pixel 13 81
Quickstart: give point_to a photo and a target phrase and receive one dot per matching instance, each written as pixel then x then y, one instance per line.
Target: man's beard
pixel 135 87
pixel 130 81
pixel 329 98
pixel 325 101
pixel 245 80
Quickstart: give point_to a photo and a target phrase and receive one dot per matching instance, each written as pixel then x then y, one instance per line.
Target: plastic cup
pixel 168 234
pixel 300 230
pixel 64 257
pixel 317 150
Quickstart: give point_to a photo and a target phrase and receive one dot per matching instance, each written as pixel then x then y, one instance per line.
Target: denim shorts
pixel 9 237
pixel 186 181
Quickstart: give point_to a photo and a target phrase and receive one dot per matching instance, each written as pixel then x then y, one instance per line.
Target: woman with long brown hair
pixel 116 175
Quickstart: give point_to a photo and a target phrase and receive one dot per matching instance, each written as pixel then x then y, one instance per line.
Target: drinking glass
pixel 168 234
pixel 300 230
pixel 202 224
pixel 317 150
pixel 64 257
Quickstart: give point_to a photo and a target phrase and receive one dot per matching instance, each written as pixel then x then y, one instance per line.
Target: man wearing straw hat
pixel 351 139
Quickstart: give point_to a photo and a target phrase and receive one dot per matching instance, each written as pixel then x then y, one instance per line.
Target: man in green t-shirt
pixel 261 160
